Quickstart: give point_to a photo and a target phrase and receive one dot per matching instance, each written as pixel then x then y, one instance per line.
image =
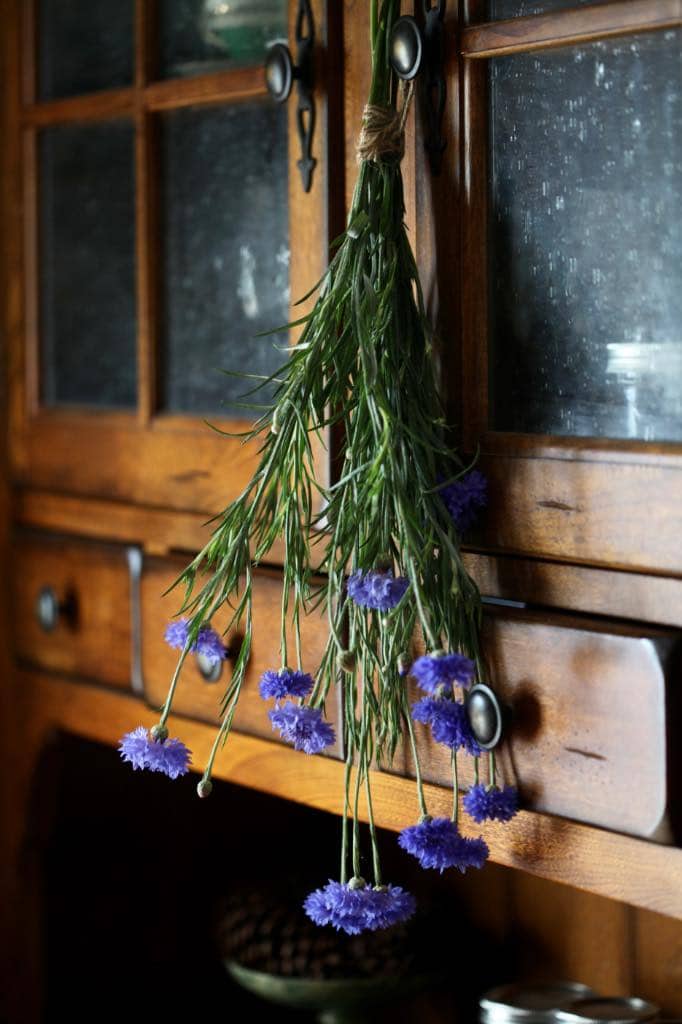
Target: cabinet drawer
pixel 195 696
pixel 593 711
pixel 86 587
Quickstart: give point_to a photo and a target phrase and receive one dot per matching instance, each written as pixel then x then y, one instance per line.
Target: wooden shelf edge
pixel 634 871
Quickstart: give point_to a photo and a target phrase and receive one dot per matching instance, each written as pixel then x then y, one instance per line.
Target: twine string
pixel 382 136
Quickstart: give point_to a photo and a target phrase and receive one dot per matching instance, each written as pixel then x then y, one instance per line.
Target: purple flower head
pixel 207 642
pixel 388 905
pixel 302 726
pixel 488 803
pixel 465 498
pixel 378 589
pixel 170 756
pixel 358 908
pixel 449 723
pixel 434 670
pixel 176 633
pixel 285 683
pixel 210 645
pixel 437 843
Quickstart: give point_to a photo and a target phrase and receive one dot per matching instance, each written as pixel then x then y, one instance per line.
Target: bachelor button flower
pixel 170 756
pixel 378 589
pixel 210 645
pixel 176 633
pixel 440 669
pixel 437 843
pixel 133 747
pixel 340 905
pixel 302 726
pixel 285 683
pixel 464 498
pixel 207 642
pixel 355 907
pixel 488 803
pixel 449 723
pixel 388 905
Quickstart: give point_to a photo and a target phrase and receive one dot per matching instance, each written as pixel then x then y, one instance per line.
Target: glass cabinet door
pixel 166 232
pixel 573 346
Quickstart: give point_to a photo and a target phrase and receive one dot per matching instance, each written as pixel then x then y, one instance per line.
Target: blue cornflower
pixel 489 803
pixel 437 843
pixel 378 589
pixel 210 645
pixel 355 907
pixel 207 642
pixel 303 726
pixel 449 723
pixel 169 756
pixel 285 683
pixel 176 633
pixel 389 905
pixel 338 904
pixel 441 669
pixel 465 497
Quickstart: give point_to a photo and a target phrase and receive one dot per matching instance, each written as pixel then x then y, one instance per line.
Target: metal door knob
pixel 406 48
pixel 280 72
pixel 47 609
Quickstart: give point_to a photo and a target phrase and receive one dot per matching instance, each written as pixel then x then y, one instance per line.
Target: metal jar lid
pixel 613 1009
pixel 530 1004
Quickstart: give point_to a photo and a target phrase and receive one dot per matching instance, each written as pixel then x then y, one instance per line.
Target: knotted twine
pixel 382 136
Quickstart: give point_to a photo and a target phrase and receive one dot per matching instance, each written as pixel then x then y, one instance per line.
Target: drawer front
pixel 86 586
pixel 590 713
pixel 195 696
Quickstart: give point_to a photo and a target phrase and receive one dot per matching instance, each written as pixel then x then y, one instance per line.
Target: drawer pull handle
pixel 48 609
pixel 280 75
pixel 485 716
pixel 211 669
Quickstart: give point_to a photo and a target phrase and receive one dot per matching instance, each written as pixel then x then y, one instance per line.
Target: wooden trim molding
pixel 564 28
pixel 638 872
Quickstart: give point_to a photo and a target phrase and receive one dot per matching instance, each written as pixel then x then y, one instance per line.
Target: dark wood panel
pixel 618 513
pixel 199 699
pixel 591 714
pixel 560 28
pixel 93 636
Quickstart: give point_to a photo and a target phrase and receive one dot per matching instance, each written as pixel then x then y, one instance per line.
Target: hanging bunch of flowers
pixel 384 537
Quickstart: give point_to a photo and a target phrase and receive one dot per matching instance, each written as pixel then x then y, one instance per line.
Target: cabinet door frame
pixel 144 456
pixel 589 500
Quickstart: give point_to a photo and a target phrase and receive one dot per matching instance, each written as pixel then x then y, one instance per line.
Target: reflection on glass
pixel 87 276
pixel 199 36
pixel 225 252
pixel 586 240
pixel 498 9
pixel 83 46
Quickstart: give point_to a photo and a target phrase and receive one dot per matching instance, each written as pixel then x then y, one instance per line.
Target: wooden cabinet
pixel 155 222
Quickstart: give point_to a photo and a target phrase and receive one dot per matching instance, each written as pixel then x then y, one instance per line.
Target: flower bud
pixel 159 733
pixel 204 788
pixel 347 661
pixel 357 883
pixel 404 662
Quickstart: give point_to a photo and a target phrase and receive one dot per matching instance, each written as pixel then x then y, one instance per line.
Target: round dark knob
pixel 485 716
pixel 47 609
pixel 406 48
pixel 211 669
pixel 279 72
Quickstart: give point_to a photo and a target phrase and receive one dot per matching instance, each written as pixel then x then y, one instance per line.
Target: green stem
pixel 174 682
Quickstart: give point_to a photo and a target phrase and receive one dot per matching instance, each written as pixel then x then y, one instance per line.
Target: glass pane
pixel 87 277
pixel 586 240
pixel 225 251
pixel 198 36
pixel 522 8
pixel 84 45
